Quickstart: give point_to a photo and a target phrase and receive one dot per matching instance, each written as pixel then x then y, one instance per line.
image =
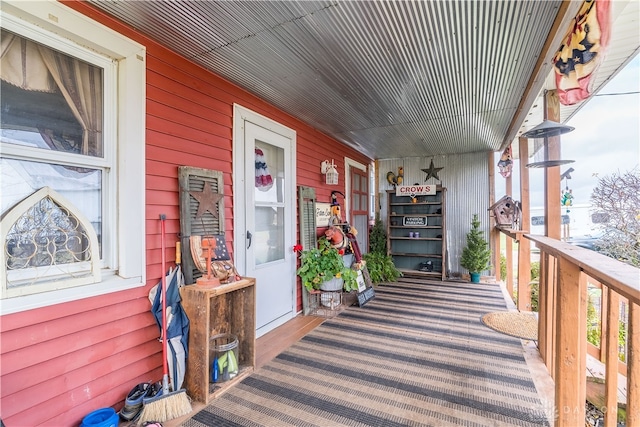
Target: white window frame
pixel 61 26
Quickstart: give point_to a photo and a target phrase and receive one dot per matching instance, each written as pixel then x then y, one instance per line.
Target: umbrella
pixel 177 325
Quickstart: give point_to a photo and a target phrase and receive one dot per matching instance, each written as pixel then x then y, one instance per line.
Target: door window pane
pixel 269 173
pixel 268 239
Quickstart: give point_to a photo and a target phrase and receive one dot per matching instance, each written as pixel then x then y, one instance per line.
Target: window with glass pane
pixel 51 135
pixel 269 235
pixel 269 204
pixel 269 174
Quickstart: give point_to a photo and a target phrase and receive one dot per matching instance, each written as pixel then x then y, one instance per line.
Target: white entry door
pixel 265 217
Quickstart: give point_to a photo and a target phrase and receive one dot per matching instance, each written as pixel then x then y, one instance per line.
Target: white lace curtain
pixel 31 66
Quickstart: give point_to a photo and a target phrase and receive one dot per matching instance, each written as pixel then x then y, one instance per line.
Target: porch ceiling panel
pixel 391 78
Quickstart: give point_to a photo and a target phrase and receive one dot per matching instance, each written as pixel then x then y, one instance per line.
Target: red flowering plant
pixel 324 263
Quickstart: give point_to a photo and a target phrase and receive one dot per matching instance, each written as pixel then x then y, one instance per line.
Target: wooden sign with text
pixel 368 293
pixel 415 190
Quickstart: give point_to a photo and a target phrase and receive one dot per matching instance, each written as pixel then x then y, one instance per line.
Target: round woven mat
pixel 514 323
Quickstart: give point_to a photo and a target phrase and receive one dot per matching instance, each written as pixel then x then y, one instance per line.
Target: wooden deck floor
pixel 268 346
pixel 275 342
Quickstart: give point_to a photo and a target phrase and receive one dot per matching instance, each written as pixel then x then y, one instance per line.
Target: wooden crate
pixel 228 308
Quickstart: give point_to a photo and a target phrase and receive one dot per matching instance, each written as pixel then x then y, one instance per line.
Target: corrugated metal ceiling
pixel 391 78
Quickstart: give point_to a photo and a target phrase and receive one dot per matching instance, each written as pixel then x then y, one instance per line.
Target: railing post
pixel 524 276
pixel 610 330
pixel 605 293
pixel 633 366
pixel 546 311
pixel 509 261
pixel 571 339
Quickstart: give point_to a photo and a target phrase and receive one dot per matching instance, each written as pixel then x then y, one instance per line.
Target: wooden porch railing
pixel 562 330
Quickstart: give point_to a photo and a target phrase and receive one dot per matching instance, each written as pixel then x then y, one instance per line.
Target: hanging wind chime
pixel 567 193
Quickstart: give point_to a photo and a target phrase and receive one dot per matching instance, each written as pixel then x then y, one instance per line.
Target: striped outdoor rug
pixel 416 355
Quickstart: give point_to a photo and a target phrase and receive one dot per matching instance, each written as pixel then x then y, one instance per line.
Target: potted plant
pixel 323 267
pixel 380 265
pixel 476 255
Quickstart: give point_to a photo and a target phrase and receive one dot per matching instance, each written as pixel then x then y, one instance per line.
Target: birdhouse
pixel 507 212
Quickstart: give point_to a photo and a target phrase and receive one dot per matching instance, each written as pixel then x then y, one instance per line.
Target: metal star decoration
pixel 207 200
pixel 432 172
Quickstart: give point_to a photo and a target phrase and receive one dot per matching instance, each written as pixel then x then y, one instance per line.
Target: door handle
pixel 249 236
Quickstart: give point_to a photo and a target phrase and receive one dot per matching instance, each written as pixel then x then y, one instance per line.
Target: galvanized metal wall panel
pixel 466 178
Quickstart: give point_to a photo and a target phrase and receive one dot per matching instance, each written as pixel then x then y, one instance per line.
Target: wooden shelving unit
pixel 228 308
pixel 424 255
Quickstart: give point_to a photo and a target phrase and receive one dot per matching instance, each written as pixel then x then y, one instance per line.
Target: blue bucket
pixel 105 417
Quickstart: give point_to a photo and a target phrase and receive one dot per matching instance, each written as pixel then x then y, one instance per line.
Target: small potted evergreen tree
pixel 476 255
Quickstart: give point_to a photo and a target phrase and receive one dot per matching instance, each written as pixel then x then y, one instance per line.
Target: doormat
pixel 517 324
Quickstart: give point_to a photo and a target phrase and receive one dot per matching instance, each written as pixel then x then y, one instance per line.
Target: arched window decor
pixel 47 244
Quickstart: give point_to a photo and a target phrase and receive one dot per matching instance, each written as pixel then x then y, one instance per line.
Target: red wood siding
pixel 59 363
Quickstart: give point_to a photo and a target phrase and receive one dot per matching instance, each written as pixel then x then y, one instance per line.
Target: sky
pixel 606 140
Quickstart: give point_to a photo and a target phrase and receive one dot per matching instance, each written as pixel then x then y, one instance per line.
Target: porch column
pixel 524 245
pixel 552 174
pixel 494 234
pixel 509 244
pixel 549 285
pixel 376 188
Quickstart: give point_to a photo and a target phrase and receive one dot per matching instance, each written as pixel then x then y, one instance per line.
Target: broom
pixel 168 405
